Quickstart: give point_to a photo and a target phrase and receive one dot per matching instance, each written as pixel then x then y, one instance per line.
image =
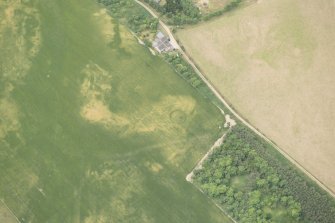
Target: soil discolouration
pixel 167 115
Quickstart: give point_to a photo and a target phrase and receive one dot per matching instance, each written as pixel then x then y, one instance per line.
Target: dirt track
pixel 203 77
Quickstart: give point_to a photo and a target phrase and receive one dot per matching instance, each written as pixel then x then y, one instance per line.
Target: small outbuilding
pixel 162 43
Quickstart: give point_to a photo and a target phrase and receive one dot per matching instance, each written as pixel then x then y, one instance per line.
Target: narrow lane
pixel 218 95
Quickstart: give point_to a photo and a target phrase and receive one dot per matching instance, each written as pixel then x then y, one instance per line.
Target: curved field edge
pixel 313 192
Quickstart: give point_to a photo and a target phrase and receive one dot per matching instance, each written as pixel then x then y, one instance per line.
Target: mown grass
pixel 65 166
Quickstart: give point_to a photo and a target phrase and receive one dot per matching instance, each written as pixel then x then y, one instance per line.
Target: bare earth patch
pixel 106 28
pixel 156 117
pixel 274 62
pixel 94 88
pixel 106 24
pixel 97 111
pixel 8 117
pixel 154 167
pixel 19 45
pixel 20 38
pixel 6 215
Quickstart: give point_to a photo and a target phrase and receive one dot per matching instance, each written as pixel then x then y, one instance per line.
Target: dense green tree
pixel 251 180
pixel 173 6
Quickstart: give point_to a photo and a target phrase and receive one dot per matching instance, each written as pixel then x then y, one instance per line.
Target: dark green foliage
pixel 186 71
pixel 177 12
pixel 249 178
pixel 261 186
pixel 128 12
pixel 231 6
pixel 180 12
pixel 155 5
pixel 173 6
pixel 317 205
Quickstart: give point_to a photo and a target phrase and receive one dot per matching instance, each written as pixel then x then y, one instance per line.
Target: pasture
pixel 273 61
pixel 93 128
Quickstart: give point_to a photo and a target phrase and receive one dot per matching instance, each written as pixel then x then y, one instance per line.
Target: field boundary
pixel 226 104
pixel 3 202
pixel 189 176
pixel 216 204
pixel 198 166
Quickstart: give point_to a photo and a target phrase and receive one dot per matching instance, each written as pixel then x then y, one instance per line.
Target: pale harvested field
pixel 274 62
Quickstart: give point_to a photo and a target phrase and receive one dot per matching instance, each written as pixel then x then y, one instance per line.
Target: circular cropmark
pixel 178 116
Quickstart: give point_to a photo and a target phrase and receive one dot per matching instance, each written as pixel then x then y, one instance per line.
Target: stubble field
pixel 273 61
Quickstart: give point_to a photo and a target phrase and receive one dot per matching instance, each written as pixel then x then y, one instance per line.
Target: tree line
pixel 186 71
pixel 132 15
pixel 177 12
pixel 180 12
pixel 269 183
pixel 274 181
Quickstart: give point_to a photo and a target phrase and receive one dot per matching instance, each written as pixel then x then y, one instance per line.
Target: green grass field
pixel 93 128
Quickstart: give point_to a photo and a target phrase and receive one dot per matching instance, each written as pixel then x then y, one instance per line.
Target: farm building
pixel 162 43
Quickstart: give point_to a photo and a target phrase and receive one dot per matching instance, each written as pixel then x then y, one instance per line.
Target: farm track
pixel 198 166
pixel 221 98
pixel 10 211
